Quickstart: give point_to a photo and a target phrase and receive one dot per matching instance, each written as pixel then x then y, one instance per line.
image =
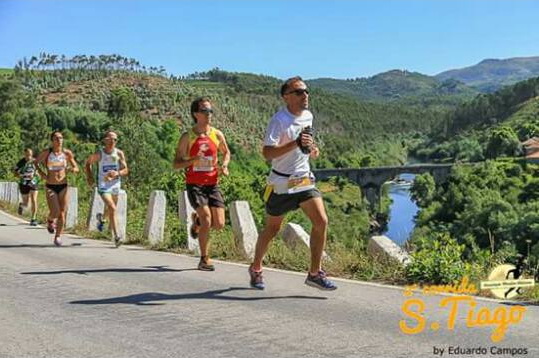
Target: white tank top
pixel 56 162
pixel 107 163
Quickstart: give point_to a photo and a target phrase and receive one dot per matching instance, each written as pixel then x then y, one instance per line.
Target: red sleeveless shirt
pixel 203 172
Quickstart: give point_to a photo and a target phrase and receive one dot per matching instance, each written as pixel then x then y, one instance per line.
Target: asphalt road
pixel 88 299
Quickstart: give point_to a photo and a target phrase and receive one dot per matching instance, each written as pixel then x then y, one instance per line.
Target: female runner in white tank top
pixel 58 161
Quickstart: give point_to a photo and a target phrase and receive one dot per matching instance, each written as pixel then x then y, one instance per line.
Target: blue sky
pixel 337 39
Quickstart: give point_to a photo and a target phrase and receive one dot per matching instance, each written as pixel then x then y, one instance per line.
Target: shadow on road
pixel 37 246
pixel 151 298
pixel 522 303
pixel 20 224
pixel 119 270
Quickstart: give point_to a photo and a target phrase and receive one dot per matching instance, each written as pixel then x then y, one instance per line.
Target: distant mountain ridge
pixel 397 85
pixel 448 87
pixel 490 75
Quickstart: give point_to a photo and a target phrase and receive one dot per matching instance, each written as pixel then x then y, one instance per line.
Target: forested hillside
pixel 489 126
pixel 351 132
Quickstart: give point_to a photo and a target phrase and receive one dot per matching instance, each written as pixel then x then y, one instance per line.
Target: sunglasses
pixel 57 138
pixel 112 139
pixel 205 110
pixel 299 92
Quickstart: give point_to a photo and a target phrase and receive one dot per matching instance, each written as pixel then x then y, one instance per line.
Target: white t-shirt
pixel 285 127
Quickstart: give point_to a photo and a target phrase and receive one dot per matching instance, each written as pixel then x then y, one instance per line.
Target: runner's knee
pixel 205 221
pixel 320 222
pixel 273 228
pixel 218 225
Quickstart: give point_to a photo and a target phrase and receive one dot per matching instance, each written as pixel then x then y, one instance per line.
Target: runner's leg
pixel 23 204
pixel 271 228
pixel 62 200
pixel 33 201
pixel 217 218
pixel 110 208
pixel 315 211
pixel 25 200
pixel 53 204
pixel 204 218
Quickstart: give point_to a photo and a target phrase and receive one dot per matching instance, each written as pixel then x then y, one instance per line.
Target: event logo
pixel 500 318
pixel 506 281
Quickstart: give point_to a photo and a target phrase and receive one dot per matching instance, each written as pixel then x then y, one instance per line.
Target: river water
pixel 402 211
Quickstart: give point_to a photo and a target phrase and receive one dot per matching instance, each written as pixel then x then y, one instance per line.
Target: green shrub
pixel 438 260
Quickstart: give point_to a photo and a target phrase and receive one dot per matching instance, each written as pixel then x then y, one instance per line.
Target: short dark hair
pixel 288 82
pixel 195 105
pixel 109 132
pixel 54 132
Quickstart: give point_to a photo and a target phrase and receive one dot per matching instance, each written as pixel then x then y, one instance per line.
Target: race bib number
pixel 297 184
pixel 56 166
pixel 108 168
pixel 204 165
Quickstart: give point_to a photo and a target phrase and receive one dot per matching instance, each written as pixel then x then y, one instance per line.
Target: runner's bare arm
pixel 315 151
pixel 71 160
pixel 88 168
pixel 36 173
pixel 123 164
pixel 16 171
pixel 39 161
pixel 182 159
pixel 223 148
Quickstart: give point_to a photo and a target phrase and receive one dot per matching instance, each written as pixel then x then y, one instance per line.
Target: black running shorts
pixel 201 195
pixel 26 189
pixel 280 204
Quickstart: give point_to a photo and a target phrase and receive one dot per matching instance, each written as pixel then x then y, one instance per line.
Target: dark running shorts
pixel 201 195
pixel 26 189
pixel 57 188
pixel 280 204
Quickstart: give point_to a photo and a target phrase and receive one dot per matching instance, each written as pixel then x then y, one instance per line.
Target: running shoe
pixel 320 281
pixel 195 226
pixel 100 222
pixel 57 241
pixel 51 226
pixel 205 265
pixel 20 209
pixel 257 281
pixel 117 241
pixel 33 222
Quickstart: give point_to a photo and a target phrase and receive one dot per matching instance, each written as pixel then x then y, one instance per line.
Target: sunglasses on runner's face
pixel 299 92
pixel 57 138
pixel 112 139
pixel 205 110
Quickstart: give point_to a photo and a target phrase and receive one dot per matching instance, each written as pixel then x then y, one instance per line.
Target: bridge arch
pixel 371 180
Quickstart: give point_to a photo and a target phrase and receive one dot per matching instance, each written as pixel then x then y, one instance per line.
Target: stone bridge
pixel 371 179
